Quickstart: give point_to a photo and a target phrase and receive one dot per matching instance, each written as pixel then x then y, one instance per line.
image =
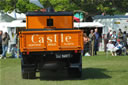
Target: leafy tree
pixel 61 5
pixel 24 6
pixel 2 4
pixel 90 6
pixel 10 5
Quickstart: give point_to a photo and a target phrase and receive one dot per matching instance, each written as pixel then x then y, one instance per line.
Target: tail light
pixel 76 51
pixel 27 53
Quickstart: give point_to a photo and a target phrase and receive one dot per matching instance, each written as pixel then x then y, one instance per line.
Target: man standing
pixel 1 42
pixel 109 34
pixel 91 43
pixel 5 39
pixel 96 41
pixel 120 35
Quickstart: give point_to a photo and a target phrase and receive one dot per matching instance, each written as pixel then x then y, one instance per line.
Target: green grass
pixel 97 70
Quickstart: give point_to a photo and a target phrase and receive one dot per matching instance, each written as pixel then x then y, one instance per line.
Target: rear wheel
pixel 75 68
pixel 28 75
pixel 24 75
pixel 74 72
pixel 28 71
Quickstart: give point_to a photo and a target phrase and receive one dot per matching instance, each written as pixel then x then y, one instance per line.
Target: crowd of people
pixel 91 43
pixel 114 42
pixel 4 40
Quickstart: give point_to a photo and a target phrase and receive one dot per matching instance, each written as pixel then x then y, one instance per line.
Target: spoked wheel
pixel 74 72
pixel 75 67
pixel 27 74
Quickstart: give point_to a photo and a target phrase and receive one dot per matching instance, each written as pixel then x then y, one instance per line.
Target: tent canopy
pixel 16 15
pixel 17 23
pixel 3 26
pixel 76 19
pixel 5 17
pixel 87 24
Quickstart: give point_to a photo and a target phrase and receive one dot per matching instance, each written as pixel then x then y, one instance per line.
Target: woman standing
pixel 86 44
pixel 5 39
pixel 1 42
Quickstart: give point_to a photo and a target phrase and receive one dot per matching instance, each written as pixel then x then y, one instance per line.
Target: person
pixel 114 37
pixel 118 47
pixel 96 41
pixel 109 34
pixel 125 39
pixel 105 42
pixel 14 46
pixel 91 42
pixel 86 43
pixel 111 48
pixel 120 35
pixel 120 31
pixel 5 39
pixel 1 32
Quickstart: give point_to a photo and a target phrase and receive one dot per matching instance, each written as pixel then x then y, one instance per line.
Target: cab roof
pixel 39 13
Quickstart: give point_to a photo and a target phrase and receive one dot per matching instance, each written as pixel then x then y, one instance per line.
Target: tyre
pixel 79 73
pixel 24 75
pixel 28 75
pixel 31 75
pixel 74 72
pixel 75 68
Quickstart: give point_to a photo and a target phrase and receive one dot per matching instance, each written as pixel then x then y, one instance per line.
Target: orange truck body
pixel 39 22
pixel 61 40
pixel 50 42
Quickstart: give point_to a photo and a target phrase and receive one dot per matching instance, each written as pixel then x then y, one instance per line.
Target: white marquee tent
pixel 87 24
pixel 114 23
pixel 17 15
pixel 3 26
pixel 12 30
pixel 4 21
pixel 17 23
pixel 5 17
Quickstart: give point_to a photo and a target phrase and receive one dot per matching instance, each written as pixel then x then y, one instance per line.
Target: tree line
pixel 91 6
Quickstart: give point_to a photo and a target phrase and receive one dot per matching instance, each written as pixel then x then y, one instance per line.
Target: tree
pixel 24 6
pixel 90 6
pixel 61 5
pixel 9 5
pixel 2 4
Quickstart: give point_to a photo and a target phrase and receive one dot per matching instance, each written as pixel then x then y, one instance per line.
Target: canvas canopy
pixel 17 23
pixel 5 17
pixel 87 24
pixel 114 23
pixel 76 19
pixel 17 15
pixel 13 28
pixel 4 21
pixel 3 26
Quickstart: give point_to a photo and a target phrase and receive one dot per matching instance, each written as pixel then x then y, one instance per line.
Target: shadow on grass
pixel 95 73
pixel 88 73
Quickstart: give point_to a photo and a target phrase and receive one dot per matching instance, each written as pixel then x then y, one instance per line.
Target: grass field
pixel 97 70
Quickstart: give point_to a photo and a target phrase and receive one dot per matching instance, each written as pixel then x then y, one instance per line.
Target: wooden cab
pixel 51 20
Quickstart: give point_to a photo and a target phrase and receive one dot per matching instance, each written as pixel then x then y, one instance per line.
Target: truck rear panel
pixel 55 40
